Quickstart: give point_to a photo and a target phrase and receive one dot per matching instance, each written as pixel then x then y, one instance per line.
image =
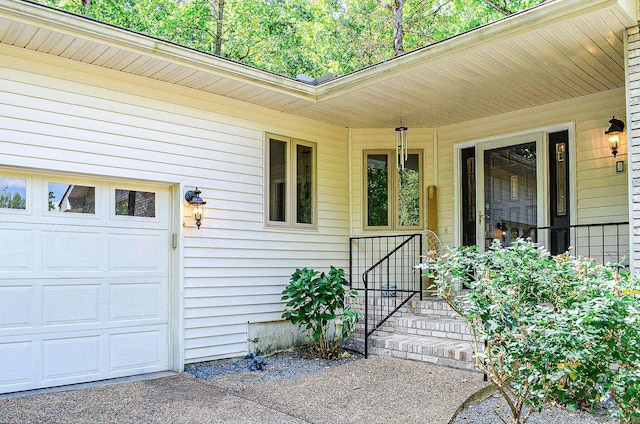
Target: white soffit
pixel 560 50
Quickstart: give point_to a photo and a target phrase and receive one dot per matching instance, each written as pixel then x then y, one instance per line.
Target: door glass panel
pixel 469 196
pixel 135 203
pixel 377 190
pixel 72 198
pixel 510 192
pixel 13 193
pixel 559 212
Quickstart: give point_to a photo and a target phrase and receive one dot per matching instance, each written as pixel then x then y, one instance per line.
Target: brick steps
pixel 423 330
pixel 435 350
pixel 434 326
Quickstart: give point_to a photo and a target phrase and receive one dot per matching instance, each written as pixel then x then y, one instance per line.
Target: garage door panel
pixel 16 364
pixel 71 250
pixel 137 252
pixel 136 301
pixel 16 249
pixel 16 306
pixel 138 350
pixel 71 304
pixel 81 357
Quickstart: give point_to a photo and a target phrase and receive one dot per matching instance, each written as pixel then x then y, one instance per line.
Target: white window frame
pixel 290 179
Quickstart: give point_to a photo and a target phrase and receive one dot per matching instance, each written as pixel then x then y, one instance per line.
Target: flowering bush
pixel 557 329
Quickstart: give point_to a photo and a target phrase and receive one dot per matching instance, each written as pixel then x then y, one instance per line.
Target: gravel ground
pixel 482 413
pixel 281 366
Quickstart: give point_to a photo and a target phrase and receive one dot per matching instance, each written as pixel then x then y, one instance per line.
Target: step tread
pixel 434 318
pixel 436 350
pixel 424 340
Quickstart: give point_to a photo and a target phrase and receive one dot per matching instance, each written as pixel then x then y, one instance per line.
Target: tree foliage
pixel 9 200
pixel 291 37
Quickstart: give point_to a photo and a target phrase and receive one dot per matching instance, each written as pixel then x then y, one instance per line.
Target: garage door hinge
pixel 174 240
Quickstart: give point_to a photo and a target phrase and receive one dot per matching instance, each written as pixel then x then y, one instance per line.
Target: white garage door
pixel 84 271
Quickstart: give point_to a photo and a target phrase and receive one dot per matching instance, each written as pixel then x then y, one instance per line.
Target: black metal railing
pixel 386 265
pixel 605 243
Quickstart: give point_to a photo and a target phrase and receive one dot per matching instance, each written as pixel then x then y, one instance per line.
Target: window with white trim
pixel 291 183
pixel 393 192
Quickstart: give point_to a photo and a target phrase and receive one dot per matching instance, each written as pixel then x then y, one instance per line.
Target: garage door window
pixel 72 198
pixel 135 203
pixel 13 193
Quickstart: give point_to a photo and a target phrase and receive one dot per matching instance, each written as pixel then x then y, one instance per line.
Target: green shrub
pixel 561 329
pixel 314 300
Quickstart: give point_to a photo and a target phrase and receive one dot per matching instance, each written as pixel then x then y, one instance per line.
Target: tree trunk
pixel 219 17
pixel 398 30
pixel 86 5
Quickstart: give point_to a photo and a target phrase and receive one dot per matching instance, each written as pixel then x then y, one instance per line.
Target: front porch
pixel 404 318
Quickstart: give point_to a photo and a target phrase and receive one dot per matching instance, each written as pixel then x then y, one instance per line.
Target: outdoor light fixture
pixel 614 131
pixel 193 198
pixel 402 145
pixel 502 230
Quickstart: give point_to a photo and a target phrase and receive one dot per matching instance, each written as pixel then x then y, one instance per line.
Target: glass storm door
pixel 508 191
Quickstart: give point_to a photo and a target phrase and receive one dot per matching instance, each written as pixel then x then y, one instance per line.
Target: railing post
pixel 419 272
pixel 366 316
pixel 350 262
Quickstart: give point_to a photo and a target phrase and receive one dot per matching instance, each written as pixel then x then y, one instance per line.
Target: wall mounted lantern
pixel 193 198
pixel 613 133
pixel 402 145
pixel 501 231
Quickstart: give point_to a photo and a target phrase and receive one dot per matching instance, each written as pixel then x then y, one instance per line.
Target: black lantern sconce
pixel 193 198
pixel 613 133
pixel 501 228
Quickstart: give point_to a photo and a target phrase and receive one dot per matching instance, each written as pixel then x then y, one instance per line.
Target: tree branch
pixel 502 9
pixel 383 4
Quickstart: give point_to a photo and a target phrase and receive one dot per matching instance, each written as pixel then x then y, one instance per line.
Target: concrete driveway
pixel 376 390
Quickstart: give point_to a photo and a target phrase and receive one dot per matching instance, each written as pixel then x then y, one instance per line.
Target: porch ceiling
pixel 560 50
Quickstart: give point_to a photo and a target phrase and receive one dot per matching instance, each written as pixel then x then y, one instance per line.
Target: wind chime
pixel 402 145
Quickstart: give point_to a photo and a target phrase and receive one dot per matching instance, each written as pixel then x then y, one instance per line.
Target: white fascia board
pixel 77 26
pixel 545 15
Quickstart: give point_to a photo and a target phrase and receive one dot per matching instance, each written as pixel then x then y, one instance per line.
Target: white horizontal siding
pixel 62 116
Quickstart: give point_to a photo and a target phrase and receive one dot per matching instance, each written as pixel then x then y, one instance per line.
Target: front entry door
pixel 516 188
pixel 508 190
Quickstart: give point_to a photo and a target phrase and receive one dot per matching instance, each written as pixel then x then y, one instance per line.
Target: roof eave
pixel 544 15
pixel 75 25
